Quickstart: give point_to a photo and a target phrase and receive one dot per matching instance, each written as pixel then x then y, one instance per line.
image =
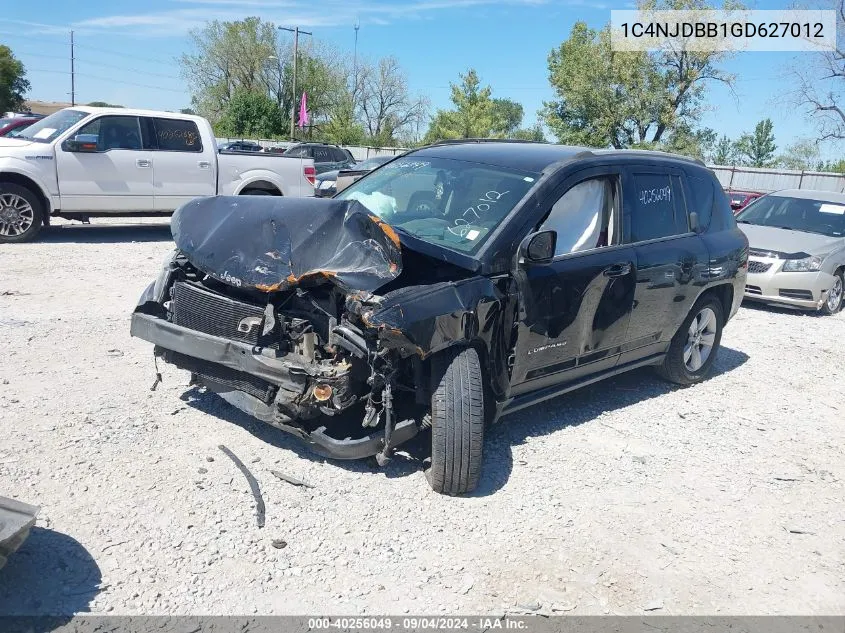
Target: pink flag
pixel 303 112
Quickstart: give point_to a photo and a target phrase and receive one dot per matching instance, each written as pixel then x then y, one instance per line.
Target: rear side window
pixel 177 135
pixel 657 208
pixel 321 155
pixel 702 199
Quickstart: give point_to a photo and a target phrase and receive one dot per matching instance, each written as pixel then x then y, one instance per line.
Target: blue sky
pixel 126 50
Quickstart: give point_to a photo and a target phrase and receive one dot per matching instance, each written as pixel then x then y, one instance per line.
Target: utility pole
pixel 72 74
pixel 355 65
pixel 296 33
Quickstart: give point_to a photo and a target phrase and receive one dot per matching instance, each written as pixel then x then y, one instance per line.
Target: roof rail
pixel 457 141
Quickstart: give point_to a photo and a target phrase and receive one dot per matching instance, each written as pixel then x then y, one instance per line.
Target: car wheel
pixel 834 296
pixel 21 215
pixel 693 349
pixel 457 422
pixel 256 192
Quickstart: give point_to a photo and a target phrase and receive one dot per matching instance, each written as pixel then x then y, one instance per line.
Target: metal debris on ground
pixel 253 485
pixel 290 480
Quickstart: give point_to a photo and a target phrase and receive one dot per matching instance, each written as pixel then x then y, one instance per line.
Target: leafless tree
pixel 820 86
pixel 385 103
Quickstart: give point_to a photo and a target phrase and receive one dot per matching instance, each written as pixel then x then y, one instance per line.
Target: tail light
pixel 310 174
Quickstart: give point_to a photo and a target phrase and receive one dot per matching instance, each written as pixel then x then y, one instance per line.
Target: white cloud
pixel 330 13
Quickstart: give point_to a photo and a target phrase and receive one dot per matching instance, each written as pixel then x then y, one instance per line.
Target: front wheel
pixel 21 215
pixel 833 304
pixel 457 422
pixel 693 349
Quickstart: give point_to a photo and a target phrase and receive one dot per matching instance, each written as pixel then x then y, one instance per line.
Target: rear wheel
pixel 457 422
pixel 21 214
pixel 693 349
pixel 833 304
pixel 257 192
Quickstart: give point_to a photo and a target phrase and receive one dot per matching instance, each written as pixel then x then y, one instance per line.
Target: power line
pixel 130 56
pixel 118 81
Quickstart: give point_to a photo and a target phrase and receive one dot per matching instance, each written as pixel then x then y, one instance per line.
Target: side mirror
pixel 81 143
pixel 694 223
pixel 538 247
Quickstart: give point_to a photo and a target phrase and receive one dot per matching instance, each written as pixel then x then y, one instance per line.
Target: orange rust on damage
pixel 292 279
pixel 388 230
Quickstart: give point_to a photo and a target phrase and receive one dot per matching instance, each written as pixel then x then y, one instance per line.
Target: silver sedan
pixel 797 249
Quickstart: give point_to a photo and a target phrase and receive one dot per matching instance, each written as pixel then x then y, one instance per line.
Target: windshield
pixel 797 214
pixel 451 203
pixel 53 126
pixel 18 131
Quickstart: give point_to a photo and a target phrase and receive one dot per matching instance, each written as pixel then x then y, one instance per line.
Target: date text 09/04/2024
pixel 412 623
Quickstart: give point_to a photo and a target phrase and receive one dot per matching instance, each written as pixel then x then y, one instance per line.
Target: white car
pixel 797 249
pixel 83 162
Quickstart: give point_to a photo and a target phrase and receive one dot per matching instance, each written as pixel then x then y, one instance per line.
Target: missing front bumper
pixel 245 358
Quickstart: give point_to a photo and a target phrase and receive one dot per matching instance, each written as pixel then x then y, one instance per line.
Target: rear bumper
pixel 243 357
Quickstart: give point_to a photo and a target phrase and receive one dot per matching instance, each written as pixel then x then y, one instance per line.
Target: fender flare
pixel 40 189
pixel 256 175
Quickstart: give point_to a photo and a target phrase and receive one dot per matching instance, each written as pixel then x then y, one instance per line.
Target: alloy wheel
pixel 834 297
pixel 16 215
pixel 700 340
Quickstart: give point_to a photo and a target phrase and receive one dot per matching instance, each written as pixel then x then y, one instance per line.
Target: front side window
pixel 585 216
pixel 51 127
pixel 657 208
pixel 451 203
pixel 175 135
pixel 112 132
pixel 796 214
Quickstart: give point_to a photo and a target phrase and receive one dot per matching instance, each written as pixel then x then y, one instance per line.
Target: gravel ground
pixel 624 498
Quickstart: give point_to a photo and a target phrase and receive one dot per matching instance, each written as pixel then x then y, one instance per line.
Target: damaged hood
pixel 271 243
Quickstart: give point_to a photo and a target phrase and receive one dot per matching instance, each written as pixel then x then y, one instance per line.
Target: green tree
pixel 610 98
pixel 724 152
pixel 104 104
pixel 187 111
pixel 474 115
pixel 802 154
pixel 758 149
pixel 250 113
pixel 534 133
pixel 228 56
pixel 836 166
pixel 13 83
pixel 342 127
pixel 508 115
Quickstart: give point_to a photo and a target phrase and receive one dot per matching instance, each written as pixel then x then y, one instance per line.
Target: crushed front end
pixel 261 302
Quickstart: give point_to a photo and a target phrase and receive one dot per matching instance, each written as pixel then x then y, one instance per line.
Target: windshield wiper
pixel 795 228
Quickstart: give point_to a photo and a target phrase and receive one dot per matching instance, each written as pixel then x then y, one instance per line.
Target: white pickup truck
pixel 83 162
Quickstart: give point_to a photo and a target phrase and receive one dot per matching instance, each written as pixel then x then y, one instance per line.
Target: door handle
pixel 143 163
pixel 618 270
pixel 203 164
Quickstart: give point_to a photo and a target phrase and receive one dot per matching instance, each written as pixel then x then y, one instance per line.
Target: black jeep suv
pixel 458 282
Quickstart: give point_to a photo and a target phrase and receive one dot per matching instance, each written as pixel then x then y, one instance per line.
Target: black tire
pixel 34 203
pixel 257 192
pixel 827 308
pixel 457 422
pixel 674 367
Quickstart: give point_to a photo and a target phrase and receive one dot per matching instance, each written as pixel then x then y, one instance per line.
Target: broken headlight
pixel 163 280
